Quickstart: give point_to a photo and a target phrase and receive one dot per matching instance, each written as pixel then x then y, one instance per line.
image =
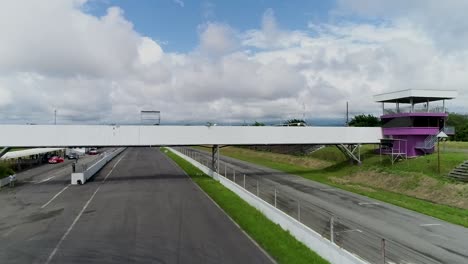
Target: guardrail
pixel 315 241
pixel 88 172
pixel 417 109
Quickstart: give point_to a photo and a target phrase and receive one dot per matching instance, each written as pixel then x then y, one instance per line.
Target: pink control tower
pixel 416 117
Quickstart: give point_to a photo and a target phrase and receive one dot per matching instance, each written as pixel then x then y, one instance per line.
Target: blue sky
pixel 176 27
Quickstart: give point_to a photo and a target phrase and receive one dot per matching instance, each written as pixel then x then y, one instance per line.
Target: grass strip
pixel 279 244
pixel 447 213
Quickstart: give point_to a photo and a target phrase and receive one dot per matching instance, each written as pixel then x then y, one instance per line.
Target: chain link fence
pixel 346 234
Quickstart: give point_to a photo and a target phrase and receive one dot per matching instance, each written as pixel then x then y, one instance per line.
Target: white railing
pixel 419 109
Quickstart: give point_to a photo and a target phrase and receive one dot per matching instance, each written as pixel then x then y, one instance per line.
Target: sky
pixel 103 61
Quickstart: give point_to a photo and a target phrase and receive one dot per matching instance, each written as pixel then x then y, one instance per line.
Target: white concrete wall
pixel 94 168
pixel 4 181
pixel 309 237
pixel 73 135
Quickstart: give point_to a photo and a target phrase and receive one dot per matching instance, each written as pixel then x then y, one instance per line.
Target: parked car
pixel 56 159
pixel 72 155
pixel 93 151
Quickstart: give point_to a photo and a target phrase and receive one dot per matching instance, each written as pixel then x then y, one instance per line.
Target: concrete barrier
pixel 4 181
pixel 82 177
pixel 301 232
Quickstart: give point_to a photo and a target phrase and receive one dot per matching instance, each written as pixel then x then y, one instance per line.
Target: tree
pixel 258 124
pixel 365 121
pixel 460 122
pixel 295 122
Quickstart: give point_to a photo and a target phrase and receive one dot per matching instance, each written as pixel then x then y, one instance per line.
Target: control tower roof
pixel 418 96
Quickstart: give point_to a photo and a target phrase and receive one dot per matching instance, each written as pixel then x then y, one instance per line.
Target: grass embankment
pixel 414 183
pixel 279 244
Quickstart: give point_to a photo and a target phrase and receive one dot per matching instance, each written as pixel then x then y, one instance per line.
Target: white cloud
pixel 444 21
pixel 217 39
pixel 179 2
pixel 99 69
pixel 270 36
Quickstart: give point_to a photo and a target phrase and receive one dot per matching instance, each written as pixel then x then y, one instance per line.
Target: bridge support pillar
pixel 4 151
pixel 215 158
pixel 352 151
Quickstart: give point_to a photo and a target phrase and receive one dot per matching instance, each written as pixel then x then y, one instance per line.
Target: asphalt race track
pixel 140 208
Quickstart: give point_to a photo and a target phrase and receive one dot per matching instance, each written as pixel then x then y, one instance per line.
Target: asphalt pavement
pixel 140 208
pixel 360 223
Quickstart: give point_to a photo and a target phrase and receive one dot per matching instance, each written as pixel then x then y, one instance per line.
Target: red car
pixel 93 151
pixel 55 159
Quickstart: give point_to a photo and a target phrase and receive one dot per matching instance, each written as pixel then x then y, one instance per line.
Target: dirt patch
pixel 418 186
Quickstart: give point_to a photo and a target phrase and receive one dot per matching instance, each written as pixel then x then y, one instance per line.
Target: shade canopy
pixel 415 96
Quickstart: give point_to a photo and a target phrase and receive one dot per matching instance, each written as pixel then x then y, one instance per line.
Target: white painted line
pixel 430 225
pixel 439 236
pixel 71 227
pixel 113 167
pixel 45 180
pixel 55 196
pixel 369 203
pixel 9 232
pixel 52 254
pixel 350 230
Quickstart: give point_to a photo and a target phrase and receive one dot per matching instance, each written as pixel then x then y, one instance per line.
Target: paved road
pixel 361 222
pixel 140 208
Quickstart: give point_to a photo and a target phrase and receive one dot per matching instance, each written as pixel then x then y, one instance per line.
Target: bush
pixel 5 170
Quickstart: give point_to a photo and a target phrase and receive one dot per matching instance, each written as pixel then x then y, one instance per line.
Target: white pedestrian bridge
pixel 346 138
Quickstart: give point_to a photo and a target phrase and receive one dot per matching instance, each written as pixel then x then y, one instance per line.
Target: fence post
pixel 234 177
pixel 332 232
pixel 258 193
pixel 225 170
pixel 383 251
pixel 275 197
pixel 299 211
pixel 244 181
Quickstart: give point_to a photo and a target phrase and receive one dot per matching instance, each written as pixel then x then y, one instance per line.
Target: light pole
pixel 440 136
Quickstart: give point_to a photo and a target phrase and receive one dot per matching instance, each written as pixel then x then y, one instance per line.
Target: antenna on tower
pixel 304 110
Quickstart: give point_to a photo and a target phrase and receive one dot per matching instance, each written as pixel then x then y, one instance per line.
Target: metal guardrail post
pixel 383 251
pixel 275 197
pixel 258 191
pixel 299 211
pixel 332 232
pixel 225 170
pixel 234 176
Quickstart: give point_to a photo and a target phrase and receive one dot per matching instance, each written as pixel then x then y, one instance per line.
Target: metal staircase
pixel 460 173
pixel 428 145
pixel 352 151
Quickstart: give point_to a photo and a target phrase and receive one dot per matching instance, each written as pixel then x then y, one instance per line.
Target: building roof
pixel 418 96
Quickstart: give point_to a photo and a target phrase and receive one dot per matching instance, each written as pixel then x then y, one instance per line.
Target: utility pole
pixel 55 116
pixel 347 114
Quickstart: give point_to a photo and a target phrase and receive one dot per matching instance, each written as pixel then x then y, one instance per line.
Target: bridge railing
pixel 353 237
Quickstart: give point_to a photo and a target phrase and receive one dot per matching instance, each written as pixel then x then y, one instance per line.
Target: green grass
pixel 419 167
pixel 279 244
pixel 5 170
pixel 455 144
